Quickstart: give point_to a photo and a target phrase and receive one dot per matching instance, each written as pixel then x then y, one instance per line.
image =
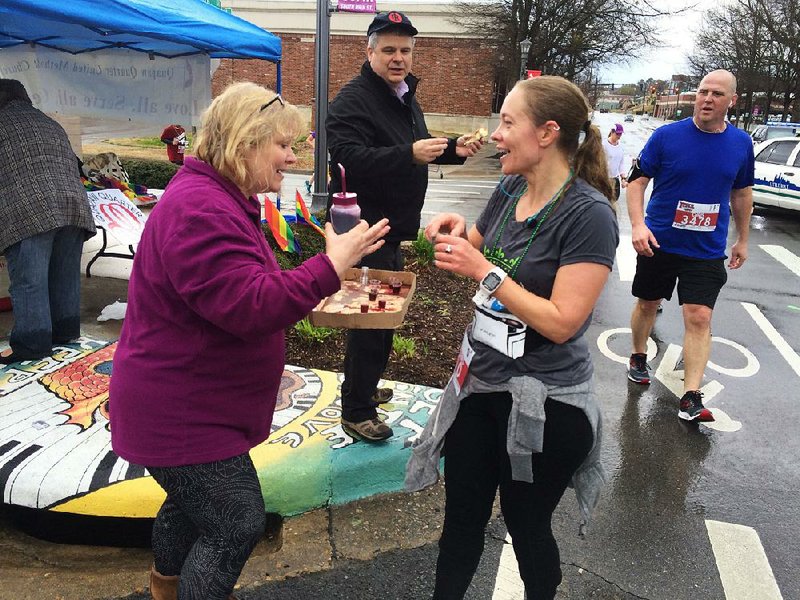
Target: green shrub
pixel 403 347
pixel 310 333
pixel 423 249
pixel 147 142
pixel 149 173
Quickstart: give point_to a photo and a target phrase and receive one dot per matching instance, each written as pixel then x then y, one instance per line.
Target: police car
pixel 774 129
pixel 777 173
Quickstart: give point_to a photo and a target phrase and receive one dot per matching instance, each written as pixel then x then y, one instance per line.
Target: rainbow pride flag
pixel 280 228
pixel 303 214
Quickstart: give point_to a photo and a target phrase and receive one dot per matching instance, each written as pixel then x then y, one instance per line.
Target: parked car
pixel 777 173
pixel 774 129
pixel 629 118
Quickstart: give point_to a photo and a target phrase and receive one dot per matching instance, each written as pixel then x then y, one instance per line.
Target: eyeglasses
pixel 277 98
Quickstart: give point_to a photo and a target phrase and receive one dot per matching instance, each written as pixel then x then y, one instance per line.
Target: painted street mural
pixel 55 441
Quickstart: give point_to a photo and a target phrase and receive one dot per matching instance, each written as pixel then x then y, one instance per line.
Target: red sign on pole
pixel 531 73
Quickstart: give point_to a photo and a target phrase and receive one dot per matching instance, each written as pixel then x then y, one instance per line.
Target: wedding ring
pixel 449 249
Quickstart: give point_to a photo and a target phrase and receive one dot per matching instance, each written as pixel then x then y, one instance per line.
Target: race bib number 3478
pixel 696 217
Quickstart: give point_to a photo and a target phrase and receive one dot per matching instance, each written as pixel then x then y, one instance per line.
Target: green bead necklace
pixel 548 209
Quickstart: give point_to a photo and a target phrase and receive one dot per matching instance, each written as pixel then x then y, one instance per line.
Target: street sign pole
pixel 319 199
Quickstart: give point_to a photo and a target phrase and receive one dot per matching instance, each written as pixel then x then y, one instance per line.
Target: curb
pixel 58 441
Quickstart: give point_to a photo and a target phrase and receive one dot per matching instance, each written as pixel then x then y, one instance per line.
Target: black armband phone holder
pixel 635 171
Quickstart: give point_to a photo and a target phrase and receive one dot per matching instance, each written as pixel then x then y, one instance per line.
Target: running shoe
pixel 382 395
pixel 371 430
pixel 638 369
pixel 692 408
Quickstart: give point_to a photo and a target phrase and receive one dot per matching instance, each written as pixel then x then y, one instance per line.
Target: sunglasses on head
pixel 277 98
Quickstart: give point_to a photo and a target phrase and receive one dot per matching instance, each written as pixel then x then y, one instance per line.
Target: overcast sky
pixel 669 60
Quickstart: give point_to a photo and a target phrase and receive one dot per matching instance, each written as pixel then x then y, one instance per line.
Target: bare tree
pixel 569 37
pixel 782 20
pixel 758 41
pixel 729 38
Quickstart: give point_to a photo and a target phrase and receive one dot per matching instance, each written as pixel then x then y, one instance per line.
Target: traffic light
pixel 612 87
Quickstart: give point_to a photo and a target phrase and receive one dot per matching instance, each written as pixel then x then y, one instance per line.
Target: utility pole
pixel 524 48
pixel 319 199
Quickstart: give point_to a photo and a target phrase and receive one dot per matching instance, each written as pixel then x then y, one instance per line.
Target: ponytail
pixel 590 162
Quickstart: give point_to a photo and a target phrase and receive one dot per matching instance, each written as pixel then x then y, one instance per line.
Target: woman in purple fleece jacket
pixel 201 353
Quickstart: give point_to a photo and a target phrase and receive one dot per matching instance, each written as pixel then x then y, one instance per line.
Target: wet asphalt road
pixel 671 484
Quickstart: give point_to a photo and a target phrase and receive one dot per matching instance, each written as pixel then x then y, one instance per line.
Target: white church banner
pixel 117 84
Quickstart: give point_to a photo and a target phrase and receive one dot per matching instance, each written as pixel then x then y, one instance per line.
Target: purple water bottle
pixel 345 212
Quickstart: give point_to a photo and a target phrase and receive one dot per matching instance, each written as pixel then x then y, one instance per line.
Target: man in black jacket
pixel 377 131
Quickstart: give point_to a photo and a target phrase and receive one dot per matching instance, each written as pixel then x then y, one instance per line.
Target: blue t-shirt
pixel 693 175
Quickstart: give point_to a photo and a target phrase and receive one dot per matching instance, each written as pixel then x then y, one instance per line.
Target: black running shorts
pixel 699 280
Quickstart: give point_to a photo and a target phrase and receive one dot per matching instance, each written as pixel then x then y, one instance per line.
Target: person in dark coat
pixel 46 218
pixel 376 131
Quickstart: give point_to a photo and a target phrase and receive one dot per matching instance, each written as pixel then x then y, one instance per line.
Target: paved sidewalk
pixel 484 165
pixel 33 569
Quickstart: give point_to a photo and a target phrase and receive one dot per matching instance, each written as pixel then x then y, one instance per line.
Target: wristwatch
pixel 488 285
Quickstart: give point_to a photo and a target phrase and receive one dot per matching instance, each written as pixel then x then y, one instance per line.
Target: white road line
pixel 790 260
pixel 438 190
pixel 462 185
pixel 444 200
pixel 776 338
pixel 742 562
pixel 508 584
pixel 626 258
pixel 459 181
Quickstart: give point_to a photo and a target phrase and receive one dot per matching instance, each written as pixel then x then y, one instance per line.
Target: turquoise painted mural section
pixel 56 441
pixel 361 469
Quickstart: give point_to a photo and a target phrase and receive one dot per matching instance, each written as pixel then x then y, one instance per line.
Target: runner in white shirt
pixel 615 158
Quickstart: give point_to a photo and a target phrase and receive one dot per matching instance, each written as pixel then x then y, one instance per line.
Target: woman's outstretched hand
pixel 347 250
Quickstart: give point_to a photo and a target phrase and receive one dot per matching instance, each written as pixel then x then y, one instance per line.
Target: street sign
pixel 357 6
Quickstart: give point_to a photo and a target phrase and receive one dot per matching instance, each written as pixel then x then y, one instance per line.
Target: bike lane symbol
pixel 671 376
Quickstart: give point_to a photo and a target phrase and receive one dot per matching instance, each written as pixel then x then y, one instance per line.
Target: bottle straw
pixel 344 185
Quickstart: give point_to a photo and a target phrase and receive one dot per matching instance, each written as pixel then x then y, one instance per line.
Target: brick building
pixel 456 72
pixel 675 106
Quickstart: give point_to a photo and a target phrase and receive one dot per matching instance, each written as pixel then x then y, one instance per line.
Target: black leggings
pixel 476 463
pixel 208 525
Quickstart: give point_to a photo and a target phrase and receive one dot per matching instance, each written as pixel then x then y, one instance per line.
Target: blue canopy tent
pixel 170 29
